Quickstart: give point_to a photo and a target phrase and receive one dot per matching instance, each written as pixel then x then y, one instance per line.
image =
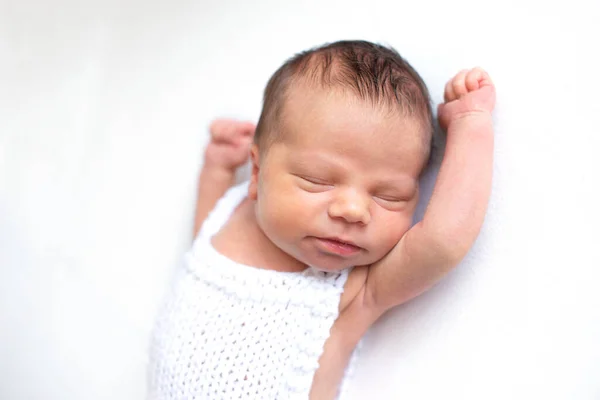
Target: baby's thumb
pixel 248 128
pixel 440 108
pixel 442 115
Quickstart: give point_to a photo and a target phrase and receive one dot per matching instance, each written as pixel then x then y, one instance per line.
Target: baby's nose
pixel 351 206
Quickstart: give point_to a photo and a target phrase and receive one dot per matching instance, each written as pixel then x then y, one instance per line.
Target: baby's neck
pixel 242 240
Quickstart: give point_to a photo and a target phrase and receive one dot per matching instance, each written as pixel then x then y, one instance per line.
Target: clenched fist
pixel 470 93
pixel 229 146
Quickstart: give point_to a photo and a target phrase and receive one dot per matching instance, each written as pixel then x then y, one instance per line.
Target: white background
pixel 103 114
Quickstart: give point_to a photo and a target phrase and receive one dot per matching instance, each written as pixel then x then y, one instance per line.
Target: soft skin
pixel 340 186
pixel 322 179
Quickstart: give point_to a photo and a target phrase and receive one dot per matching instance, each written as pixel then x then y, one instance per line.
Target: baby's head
pixel 344 134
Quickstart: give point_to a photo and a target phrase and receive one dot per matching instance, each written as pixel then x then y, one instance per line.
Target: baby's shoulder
pixel 234 239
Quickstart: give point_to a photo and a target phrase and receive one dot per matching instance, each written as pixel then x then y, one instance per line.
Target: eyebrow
pixel 309 159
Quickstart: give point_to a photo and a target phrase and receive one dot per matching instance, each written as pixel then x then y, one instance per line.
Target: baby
pixel 290 269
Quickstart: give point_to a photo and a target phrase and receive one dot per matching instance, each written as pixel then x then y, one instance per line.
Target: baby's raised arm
pixel 228 149
pixel 455 213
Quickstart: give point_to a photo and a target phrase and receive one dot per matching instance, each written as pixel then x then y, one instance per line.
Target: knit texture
pixel 232 331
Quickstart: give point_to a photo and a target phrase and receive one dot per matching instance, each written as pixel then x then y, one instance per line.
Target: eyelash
pixel 389 199
pixel 315 181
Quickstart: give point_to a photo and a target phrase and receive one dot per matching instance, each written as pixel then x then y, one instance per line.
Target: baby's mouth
pixel 338 246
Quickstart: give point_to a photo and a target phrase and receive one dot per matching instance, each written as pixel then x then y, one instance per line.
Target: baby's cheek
pixel 395 226
pixel 286 214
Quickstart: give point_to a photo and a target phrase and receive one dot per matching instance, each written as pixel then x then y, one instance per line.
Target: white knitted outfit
pixel 232 331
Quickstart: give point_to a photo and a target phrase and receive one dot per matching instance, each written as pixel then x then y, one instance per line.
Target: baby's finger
pixel 442 114
pixel 227 134
pixel 458 84
pixel 473 78
pixel 218 129
pixel 485 79
pixel 449 93
pixel 248 128
pixel 224 131
pixel 477 78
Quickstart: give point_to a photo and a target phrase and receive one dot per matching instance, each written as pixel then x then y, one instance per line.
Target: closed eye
pixel 391 203
pixel 315 181
pixel 313 184
pixel 390 199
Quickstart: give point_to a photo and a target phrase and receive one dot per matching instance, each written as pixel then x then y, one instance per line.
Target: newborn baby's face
pixel 339 186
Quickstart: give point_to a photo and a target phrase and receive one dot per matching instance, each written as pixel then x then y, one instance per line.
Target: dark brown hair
pixel 374 73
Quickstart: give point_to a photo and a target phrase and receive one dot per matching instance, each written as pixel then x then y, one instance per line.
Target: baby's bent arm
pixel 451 223
pixel 214 182
pixel 227 150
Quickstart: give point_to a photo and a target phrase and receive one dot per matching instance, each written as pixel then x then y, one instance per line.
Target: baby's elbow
pixel 450 252
pixel 450 247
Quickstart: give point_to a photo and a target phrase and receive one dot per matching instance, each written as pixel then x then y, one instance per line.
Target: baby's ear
pixel 254 159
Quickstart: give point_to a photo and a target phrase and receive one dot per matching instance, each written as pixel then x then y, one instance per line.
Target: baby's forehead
pixel 337 110
pixel 314 119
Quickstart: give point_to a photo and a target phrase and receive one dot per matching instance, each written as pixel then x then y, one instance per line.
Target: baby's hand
pixel 470 93
pixel 229 145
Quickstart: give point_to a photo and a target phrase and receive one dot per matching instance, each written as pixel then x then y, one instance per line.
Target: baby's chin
pixel 324 264
pixel 330 263
pixel 322 261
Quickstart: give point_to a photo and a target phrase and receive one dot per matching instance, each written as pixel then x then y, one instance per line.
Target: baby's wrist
pixel 470 120
pixel 217 172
